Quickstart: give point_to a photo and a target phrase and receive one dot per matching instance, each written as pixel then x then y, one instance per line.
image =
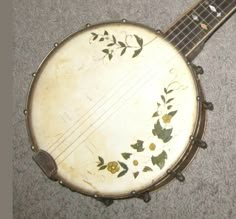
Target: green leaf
pixel 168 101
pixel 162 133
pixel 103 167
pixel 155 114
pixel 139 40
pixel 158 104
pixel 102 39
pixel 154 132
pixel 159 160
pixel 122 173
pixel 137 52
pixel 172 113
pixel 101 161
pixel 105 32
pixel 110 44
pixel 163 98
pixel 114 39
pixel 147 169
pixel 170 91
pixel 123 165
pixel 94 34
pixel 169 107
pixel 165 90
pixel 136 174
pixel 138 146
pixel 95 37
pixel 106 51
pixel 110 56
pixel 126 156
pixel 123 51
pixel 122 44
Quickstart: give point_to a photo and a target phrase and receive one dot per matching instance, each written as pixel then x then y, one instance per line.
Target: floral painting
pixel 162 117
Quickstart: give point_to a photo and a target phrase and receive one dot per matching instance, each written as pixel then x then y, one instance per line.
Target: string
pixel 111 114
pixel 136 80
pixel 93 109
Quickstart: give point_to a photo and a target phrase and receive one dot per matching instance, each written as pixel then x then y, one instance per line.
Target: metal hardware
pixel 32 147
pixel 124 20
pixel 56 45
pixel 198 69
pixel 208 105
pixel 106 202
pixel 25 111
pixel 145 197
pixel 200 143
pixel 34 74
pixel 177 174
pixel 46 162
pixel 88 25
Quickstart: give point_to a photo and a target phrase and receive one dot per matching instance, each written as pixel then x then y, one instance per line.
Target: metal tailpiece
pixel 46 162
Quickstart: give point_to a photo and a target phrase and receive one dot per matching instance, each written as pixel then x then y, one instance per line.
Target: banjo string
pixel 93 109
pixel 186 36
pixel 111 114
pixel 129 90
pixel 140 76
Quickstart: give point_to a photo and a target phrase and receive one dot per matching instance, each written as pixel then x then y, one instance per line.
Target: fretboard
pixel 196 26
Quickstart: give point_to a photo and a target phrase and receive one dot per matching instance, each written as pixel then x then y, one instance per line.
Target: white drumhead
pixel 115 106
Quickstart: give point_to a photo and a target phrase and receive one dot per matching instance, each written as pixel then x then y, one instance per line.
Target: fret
pixel 179 34
pixel 223 5
pixel 189 30
pixel 198 24
pixel 206 15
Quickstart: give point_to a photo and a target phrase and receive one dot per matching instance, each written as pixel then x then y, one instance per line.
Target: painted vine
pixel 163 116
pixel 113 44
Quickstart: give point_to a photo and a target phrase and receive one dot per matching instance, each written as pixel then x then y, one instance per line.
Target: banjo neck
pixel 190 32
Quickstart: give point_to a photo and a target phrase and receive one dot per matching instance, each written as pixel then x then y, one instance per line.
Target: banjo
pixel 116 110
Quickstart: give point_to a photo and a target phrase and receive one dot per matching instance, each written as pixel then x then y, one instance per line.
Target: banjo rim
pixel 183 161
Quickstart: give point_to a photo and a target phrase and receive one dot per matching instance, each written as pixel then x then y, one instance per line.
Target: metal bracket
pixel 200 143
pixel 144 196
pixel 46 162
pixel 177 174
pixel 106 202
pixel 208 105
pixel 198 69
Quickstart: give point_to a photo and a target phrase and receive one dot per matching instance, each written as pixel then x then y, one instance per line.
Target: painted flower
pixel 166 118
pixel 113 167
pixel 135 163
pixel 152 146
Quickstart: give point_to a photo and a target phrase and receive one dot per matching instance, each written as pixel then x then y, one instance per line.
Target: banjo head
pixel 116 106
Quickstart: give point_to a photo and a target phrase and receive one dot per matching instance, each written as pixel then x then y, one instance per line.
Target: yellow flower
pixel 135 163
pixel 166 118
pixel 113 167
pixel 152 146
